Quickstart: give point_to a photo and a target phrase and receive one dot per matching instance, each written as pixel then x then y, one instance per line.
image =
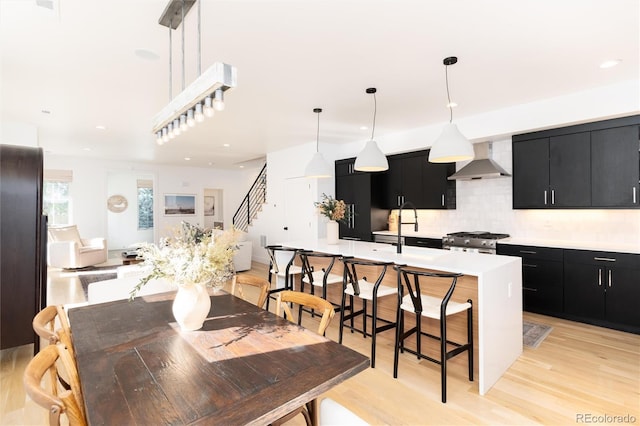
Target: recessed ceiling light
pixel 226 145
pixel 147 54
pixel 187 158
pixel 210 163
pixel 364 128
pixel 45 111
pixel 242 167
pixel 100 127
pixel 610 63
pixel 452 105
pixel 86 149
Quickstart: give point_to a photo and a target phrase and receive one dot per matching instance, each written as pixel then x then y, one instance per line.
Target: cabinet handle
pixel 528 251
pixel 442 200
pixel 605 259
pixel 528 265
pixel 553 196
pixel 609 277
pixel 530 289
pixel 599 277
pixel 634 195
pixel 545 197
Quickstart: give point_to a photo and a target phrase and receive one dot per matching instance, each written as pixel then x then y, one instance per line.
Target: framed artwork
pixel 179 205
pixel 209 205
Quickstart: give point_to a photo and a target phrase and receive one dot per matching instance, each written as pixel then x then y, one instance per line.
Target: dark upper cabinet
pixel 358 190
pixel 531 173
pixel 593 165
pixel 412 178
pixel 615 169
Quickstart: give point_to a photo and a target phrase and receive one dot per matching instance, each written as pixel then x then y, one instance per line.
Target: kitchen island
pixel 497 299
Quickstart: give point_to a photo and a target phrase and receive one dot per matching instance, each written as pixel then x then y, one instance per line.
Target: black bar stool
pixel 318 277
pixel 436 308
pixel 287 273
pixel 366 290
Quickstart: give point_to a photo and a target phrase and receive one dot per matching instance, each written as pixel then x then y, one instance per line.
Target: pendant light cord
pixel 446 77
pixel 318 135
pixel 375 110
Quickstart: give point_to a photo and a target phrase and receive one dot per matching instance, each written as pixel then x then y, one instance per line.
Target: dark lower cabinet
pixel 603 288
pixel 435 243
pixel 542 277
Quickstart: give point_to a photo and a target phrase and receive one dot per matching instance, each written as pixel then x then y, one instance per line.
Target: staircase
pixel 252 202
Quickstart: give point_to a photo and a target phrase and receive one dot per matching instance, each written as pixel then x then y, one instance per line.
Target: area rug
pixel 533 333
pixel 93 274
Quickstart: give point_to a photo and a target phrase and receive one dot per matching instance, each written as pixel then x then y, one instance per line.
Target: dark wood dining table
pixel 246 366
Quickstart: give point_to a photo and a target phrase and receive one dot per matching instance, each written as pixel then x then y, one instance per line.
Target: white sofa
pixel 65 249
pixel 120 288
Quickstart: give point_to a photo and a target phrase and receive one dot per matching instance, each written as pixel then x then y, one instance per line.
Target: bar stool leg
pixel 470 338
pixel 399 340
pixel 443 357
pixel 342 310
pixel 374 329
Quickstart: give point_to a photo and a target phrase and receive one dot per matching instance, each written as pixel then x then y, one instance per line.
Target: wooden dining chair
pixel 319 305
pixel 261 284
pixel 46 326
pixel 68 402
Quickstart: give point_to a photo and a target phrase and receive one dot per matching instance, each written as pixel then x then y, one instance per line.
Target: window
pixel 145 204
pixel 56 201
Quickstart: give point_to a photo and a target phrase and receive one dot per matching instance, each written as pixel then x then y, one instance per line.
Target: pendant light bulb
pixel 191 121
pixel 318 166
pixel 165 135
pixel 451 145
pixel 170 131
pixel 159 140
pixel 183 123
pixel 176 127
pixel 371 158
pixel 199 115
pixel 208 106
pixel 218 100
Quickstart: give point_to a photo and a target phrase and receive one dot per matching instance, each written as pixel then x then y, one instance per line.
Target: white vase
pixel 191 306
pixel 333 232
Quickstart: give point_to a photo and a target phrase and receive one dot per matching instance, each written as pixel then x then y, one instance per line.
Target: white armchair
pixel 65 249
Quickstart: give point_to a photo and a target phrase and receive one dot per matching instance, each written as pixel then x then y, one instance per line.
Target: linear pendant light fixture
pixel 317 167
pixel 451 145
pixel 203 96
pixel 371 159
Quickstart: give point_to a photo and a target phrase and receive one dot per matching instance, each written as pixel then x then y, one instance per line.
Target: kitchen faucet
pixel 400 223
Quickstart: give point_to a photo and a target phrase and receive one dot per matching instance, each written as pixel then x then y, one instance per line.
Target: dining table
pixel 245 366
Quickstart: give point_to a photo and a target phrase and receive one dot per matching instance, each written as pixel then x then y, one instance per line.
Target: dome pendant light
pixel 371 159
pixel 451 145
pixel 317 167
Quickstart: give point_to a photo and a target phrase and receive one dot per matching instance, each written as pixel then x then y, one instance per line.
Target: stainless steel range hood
pixel 482 167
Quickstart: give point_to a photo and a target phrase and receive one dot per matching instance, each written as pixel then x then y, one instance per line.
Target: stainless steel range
pixel 474 242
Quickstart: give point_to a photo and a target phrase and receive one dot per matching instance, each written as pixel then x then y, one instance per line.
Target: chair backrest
pixel 307 256
pixel 261 284
pixel 65 233
pixel 352 266
pixel 411 280
pixel 67 402
pixel 44 324
pixel 309 301
pixel 273 261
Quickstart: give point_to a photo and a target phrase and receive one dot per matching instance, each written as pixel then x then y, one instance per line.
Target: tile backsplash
pixel 486 205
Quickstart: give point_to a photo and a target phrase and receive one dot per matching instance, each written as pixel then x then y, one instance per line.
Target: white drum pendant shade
pixel 451 146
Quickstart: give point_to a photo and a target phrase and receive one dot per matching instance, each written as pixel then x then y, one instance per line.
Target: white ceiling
pixel 79 63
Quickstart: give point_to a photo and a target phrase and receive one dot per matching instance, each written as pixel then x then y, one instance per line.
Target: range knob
pixel 483 243
pixel 467 241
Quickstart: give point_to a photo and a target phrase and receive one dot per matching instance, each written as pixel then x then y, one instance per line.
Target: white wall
pixel 89 190
pixel 483 204
pixel 122 227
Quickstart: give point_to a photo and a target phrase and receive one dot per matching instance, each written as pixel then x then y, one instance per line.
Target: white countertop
pixel 613 246
pixel 577 245
pixel 441 260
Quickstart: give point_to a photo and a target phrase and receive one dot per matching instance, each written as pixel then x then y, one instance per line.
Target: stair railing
pixel 252 202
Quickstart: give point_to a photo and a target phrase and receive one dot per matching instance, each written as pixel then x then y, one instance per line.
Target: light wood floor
pixel 578 371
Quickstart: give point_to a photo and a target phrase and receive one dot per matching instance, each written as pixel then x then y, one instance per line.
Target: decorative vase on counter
pixel 333 232
pixel 191 306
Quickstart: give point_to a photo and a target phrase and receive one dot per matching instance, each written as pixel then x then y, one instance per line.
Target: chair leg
pixel 470 339
pixel 364 318
pixel 399 339
pixel 443 357
pixel 351 311
pixel 418 335
pixel 374 330
pixel 341 325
